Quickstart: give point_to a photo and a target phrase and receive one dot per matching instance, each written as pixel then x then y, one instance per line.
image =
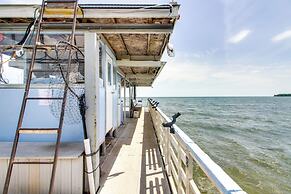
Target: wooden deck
pixel 134 164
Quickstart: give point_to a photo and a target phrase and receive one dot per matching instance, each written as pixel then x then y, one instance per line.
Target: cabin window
pixel 100 63
pixel 109 73
pixel 119 85
pixel 114 75
pixel 14 69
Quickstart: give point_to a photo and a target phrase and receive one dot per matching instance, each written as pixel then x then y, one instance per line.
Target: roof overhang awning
pixel 137 34
pixel 141 73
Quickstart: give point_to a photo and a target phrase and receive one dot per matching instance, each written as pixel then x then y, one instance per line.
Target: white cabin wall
pixel 109 92
pixel 112 95
pixel 102 94
pixel 119 102
pixel 115 95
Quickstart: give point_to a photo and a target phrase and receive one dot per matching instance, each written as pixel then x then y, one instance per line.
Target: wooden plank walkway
pixel 134 164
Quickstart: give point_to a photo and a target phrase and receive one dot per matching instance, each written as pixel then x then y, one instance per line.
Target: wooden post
pixel 179 167
pixel 189 172
pixel 167 151
pixel 92 94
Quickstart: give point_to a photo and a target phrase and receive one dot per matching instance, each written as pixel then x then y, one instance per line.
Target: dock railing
pixel 180 153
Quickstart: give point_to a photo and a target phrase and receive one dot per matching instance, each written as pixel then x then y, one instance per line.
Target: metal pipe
pixel 124 100
pixel 134 92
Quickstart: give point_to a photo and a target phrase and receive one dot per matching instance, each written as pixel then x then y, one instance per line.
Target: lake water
pixel 249 137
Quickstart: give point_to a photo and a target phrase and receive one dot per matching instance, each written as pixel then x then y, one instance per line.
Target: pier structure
pixel 117 48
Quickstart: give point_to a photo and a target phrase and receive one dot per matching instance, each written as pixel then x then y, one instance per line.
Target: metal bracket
pixel 170 124
pixel 155 105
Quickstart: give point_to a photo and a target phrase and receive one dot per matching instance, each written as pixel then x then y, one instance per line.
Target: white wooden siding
pixel 35 178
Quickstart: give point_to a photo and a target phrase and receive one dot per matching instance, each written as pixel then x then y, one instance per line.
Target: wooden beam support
pixel 127 63
pixel 148 43
pixel 97 28
pixel 140 76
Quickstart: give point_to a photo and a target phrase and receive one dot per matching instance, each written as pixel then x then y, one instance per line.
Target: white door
pixel 109 93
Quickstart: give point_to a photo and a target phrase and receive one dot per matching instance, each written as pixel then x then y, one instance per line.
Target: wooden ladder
pixel 46 4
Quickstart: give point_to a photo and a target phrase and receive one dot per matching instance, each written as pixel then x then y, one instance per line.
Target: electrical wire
pixel 60 67
pixel 29 31
pixel 81 98
pixel 26 34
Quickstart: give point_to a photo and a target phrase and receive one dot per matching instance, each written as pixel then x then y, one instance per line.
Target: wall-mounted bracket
pixel 170 124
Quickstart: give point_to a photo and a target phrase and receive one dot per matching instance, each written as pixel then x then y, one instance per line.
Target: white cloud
pixel 188 76
pixel 196 55
pixel 239 36
pixel 282 36
pixel 185 71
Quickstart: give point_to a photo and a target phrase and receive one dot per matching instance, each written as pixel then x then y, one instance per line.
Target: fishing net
pixel 57 84
pixel 72 113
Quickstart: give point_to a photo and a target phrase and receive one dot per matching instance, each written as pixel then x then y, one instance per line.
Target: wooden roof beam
pixel 127 63
pixel 140 76
pixel 98 28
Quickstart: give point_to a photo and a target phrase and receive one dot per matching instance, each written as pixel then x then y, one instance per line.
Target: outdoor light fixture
pixel 170 50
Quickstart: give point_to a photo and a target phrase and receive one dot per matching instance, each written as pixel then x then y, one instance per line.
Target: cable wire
pixel 60 67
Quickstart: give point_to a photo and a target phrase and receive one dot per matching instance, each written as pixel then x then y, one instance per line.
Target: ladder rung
pixel 38 130
pixel 33 162
pixel 44 98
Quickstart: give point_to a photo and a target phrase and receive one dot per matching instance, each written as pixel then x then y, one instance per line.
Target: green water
pixel 249 137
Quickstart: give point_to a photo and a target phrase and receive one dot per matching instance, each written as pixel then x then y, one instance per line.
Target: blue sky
pixel 226 48
pixel 229 48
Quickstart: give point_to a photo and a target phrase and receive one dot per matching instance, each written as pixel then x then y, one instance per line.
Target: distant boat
pixel 282 95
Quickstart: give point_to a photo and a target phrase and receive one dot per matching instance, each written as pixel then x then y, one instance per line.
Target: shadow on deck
pixel 134 164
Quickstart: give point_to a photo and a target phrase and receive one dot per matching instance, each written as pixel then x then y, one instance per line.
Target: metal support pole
pixel 134 92
pixel 124 101
pixel 129 100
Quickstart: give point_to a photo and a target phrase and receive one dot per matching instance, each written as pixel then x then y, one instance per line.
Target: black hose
pixel 27 32
pixel 82 109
